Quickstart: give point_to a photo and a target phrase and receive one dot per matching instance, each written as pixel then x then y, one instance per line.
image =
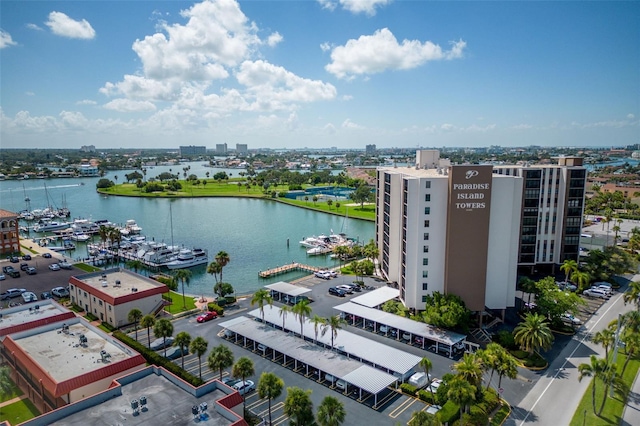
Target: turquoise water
pixel 257 234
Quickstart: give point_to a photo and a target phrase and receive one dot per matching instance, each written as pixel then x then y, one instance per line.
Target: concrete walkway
pixel 11 401
pixel 631 413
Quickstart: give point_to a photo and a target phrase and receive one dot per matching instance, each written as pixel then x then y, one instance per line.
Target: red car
pixel 208 316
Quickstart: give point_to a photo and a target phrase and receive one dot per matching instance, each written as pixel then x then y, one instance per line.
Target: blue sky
pixel 328 73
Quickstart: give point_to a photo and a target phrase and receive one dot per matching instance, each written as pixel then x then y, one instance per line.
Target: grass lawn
pixel 613 407
pixel 231 189
pixel 15 392
pixel 86 268
pixel 18 412
pixel 176 303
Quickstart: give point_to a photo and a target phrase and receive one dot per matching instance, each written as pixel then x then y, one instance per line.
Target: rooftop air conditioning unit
pixel 118 283
pixel 133 289
pixel 104 283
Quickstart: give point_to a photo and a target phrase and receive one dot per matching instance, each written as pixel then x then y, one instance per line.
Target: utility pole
pixel 615 350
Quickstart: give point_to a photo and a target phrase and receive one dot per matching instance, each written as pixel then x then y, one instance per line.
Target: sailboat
pixel 186 258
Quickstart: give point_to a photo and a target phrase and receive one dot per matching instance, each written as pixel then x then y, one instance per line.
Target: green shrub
pixel 492 399
pixel 108 326
pixel 214 307
pixel 521 355
pixel 505 339
pixel 426 396
pixel 230 299
pixel 90 317
pixel 221 301
pixel 408 388
pixel 477 415
pixel 449 412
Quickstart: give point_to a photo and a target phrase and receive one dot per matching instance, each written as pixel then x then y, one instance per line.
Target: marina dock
pixel 295 266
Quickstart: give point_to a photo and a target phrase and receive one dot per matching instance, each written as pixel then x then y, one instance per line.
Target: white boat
pixel 319 250
pixel 132 227
pixel 66 245
pixel 311 242
pixel 46 226
pixel 85 226
pixel 80 236
pixel 188 258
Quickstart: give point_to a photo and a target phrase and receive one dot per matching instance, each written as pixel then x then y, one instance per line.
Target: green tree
pixel 533 333
pixel 243 368
pixel 284 311
pixel 426 364
pixel 223 259
pixel 261 297
pixel 220 358
pixel 447 311
pixel 199 347
pixel 606 338
pixel 222 289
pixel 134 317
pixel 597 369
pixel 163 329
pixel 461 392
pixel 6 385
pixel 507 367
pixel 214 268
pixel 422 418
pixel 298 407
pixel 183 340
pixel 183 276
pixel 528 286
pixel 302 310
pixel 331 412
pixel 569 266
pixel 270 386
pixel 632 295
pixel 333 324
pixel 318 322
pixel 470 369
pixel 361 195
pixel 631 347
pixel 147 322
pixel 135 265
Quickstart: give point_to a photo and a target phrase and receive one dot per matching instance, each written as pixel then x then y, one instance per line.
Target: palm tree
pixel 134 316
pixel 528 286
pixel 470 369
pixel 569 266
pixel 6 385
pixel 270 386
pixel 183 340
pixel 302 310
pixel 581 278
pixel 298 407
pixel 597 369
pixel 533 333
pixel 632 295
pixel 606 338
pixel 284 311
pixel 333 323
pixel 223 259
pixel 631 347
pixel 243 368
pixel 220 358
pixel 318 323
pixel 163 329
pixel 461 392
pixel 426 364
pixel 183 276
pixel 507 367
pixel 199 347
pixel 261 297
pixel 134 264
pixel 214 268
pixel 148 321
pixel 331 412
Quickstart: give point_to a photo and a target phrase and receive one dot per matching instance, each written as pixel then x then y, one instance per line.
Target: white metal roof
pixel 315 356
pixel 286 288
pixel 416 328
pixel 355 345
pixel 377 297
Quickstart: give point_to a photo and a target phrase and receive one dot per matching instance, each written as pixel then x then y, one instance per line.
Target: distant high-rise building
pixel 192 150
pixel 241 148
pixel 88 148
pixel 370 150
pixel 221 148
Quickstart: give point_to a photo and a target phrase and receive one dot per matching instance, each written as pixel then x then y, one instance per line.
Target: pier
pixel 295 266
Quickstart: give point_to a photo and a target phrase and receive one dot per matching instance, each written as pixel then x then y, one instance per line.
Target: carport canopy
pixel 377 297
pixel 415 328
pixel 288 289
pixel 339 366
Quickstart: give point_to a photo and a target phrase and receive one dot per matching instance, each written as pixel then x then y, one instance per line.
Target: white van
pixel 339 383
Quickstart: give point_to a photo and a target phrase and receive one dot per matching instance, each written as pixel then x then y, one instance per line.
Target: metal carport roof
pixel 377 297
pixel 354 372
pixel 288 289
pixel 416 328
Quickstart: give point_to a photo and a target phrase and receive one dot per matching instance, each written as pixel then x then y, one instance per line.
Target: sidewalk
pixel 631 413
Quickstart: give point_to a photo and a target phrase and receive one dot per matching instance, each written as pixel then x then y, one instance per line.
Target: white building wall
pixel 98 386
pixel 146 305
pixel 502 257
pixel 395 228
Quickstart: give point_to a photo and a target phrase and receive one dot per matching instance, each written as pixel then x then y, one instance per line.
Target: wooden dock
pixel 295 266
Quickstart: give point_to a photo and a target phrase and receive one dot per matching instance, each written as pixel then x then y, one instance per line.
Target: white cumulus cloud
pixel 367 7
pixel 6 40
pixel 34 27
pixel 325 47
pixel 62 25
pixel 348 124
pixel 381 51
pixel 86 102
pixel 128 105
pixel 274 39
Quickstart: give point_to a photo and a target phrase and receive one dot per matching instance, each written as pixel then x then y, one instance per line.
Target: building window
pixel 94 299
pixel 71 287
pixel 425 286
pixel 427 184
pixel 427 210
pixel 427 197
pixel 426 236
pixel 425 249
pixel 426 223
pixel 424 299
pixel 100 302
pixel 425 261
pixel 425 274
pixel 109 307
pixel 85 294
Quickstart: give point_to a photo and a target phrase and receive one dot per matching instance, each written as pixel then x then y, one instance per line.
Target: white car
pixel 54 267
pixel 346 288
pixel 244 387
pixel 435 384
pixel 28 296
pixel 570 319
pixel 596 292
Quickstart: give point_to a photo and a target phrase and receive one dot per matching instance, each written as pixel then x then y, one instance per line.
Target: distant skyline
pixel 319 73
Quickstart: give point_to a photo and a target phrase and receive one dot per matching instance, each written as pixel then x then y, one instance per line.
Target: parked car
pixel 54 267
pixel 45 295
pixel 442 349
pixel 230 381
pixel 31 270
pixel 24 266
pixel 26 257
pixel 60 292
pixel 161 343
pixel 435 384
pixel 207 316
pixel 46 255
pixel 11 293
pixel 244 387
pixel 570 319
pixel 2 277
pixel 406 336
pixel 596 292
pixel 14 274
pixel 176 352
pixel 7 269
pixel 346 288
pixel 322 274
pixel 14 259
pixel 607 289
pixel 65 265
pixel 29 296
pixel 433 409
pixel 336 292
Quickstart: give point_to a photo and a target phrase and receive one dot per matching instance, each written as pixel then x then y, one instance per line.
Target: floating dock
pixel 295 266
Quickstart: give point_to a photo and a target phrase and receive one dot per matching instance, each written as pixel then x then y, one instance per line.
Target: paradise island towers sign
pixel 468 233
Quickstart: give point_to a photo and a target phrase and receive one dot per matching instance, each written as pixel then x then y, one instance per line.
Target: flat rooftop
pixel 167 404
pixel 117 282
pixel 22 315
pixel 61 355
pixel 412 171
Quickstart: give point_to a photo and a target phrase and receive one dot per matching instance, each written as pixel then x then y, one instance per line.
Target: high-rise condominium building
pixel 459 228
